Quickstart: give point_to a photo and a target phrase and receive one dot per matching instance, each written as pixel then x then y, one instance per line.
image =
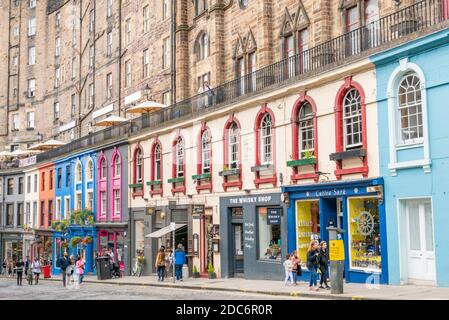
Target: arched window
pixel 266 140
pixel 202 46
pixel 78 172
pixel 103 169
pixel 265 164
pixel 138 159
pixel 233 145
pixel 410 113
pixel 352 119
pixel 205 152
pixel 89 170
pixel 179 158
pixel 117 166
pixel 306 135
pixel 157 162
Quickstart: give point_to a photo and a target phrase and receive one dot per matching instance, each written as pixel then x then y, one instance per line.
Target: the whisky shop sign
pixel 253 199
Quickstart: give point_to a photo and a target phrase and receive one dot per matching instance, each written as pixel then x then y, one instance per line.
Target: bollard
pixel 336 255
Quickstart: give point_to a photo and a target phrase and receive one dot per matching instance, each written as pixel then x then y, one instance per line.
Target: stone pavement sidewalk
pixel 352 291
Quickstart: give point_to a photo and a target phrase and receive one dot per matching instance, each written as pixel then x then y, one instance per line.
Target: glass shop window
pixel 269 237
pixel 307 226
pixel 364 234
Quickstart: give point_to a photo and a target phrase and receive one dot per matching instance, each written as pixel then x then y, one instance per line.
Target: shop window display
pixel 364 234
pixel 308 227
pixel 269 237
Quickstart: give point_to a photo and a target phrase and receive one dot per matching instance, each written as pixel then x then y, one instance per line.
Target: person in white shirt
pixel 288 270
pixel 206 90
pixel 36 269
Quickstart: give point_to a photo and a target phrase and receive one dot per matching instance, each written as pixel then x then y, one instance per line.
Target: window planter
pixel 154 183
pixel 176 180
pixel 263 167
pixel 201 176
pixel 338 156
pixel 302 162
pixel 229 172
pixel 136 185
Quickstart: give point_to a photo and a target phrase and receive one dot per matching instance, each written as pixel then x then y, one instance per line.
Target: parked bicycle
pixel 138 262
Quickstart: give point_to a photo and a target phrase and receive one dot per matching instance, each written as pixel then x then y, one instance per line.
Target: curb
pixel 202 287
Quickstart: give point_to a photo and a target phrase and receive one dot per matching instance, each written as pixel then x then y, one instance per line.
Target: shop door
pixel 237 254
pixel 421 252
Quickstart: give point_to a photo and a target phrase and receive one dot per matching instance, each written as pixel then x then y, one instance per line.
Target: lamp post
pixel 336 251
pixel 173 229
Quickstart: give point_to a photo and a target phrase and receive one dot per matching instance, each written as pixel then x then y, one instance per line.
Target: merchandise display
pixel 364 234
pixel 307 226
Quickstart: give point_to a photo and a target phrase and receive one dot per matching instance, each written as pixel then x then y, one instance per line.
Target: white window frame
pixel 89 170
pixel 109 43
pixel 67 209
pixel 266 140
pixel 78 172
pixel 146 19
pixel 205 152
pixel 233 145
pixel 32 4
pixel 400 140
pixel 139 164
pixel 157 162
pixel 31 88
pixel 32 56
pixel 180 158
pixel 90 198
pixel 394 164
pixel 110 3
pixel 30 120
pixel 307 129
pixel 353 119
pixel 78 200
pixel 116 199
pixel 57 46
pixel 146 63
pixel 32 26
pixel 109 86
pixel 58 209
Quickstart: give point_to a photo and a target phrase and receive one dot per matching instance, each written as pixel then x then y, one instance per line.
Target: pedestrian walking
pixel 4 266
pixel 323 265
pixel 180 259
pixel 160 265
pixel 36 268
pixel 27 265
pixel 288 269
pixel 296 267
pixel 19 271
pixel 169 263
pixel 312 264
pixel 9 263
pixel 63 262
pixel 71 274
pixel 80 269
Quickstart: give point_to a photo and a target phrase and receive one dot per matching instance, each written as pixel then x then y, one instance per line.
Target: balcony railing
pixel 364 40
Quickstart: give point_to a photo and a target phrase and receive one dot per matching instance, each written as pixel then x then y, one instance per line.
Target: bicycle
pixel 137 267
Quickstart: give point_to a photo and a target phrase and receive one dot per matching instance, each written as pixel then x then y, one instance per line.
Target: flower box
pixel 154 183
pixel 263 167
pixel 201 176
pixel 136 185
pixel 229 172
pixel 347 154
pixel 302 162
pixel 176 180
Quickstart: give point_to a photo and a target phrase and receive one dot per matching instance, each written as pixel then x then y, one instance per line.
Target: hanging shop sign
pixel 198 209
pixel 336 250
pixel 274 216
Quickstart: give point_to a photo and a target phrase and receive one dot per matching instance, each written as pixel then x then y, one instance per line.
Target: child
pixel 30 277
pixel 288 269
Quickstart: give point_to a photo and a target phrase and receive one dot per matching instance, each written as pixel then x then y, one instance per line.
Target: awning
pixel 162 232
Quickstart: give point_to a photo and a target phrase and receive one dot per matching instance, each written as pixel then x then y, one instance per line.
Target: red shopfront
pixel 113 240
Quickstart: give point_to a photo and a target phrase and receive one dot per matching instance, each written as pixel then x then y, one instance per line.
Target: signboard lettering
pixel 274 216
pixel 336 250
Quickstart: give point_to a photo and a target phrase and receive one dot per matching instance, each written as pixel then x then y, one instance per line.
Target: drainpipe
pixel 173 52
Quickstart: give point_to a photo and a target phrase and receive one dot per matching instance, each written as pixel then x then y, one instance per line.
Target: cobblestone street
pixel 50 290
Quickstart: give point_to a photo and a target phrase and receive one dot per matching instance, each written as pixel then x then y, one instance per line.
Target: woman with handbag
pixel 312 264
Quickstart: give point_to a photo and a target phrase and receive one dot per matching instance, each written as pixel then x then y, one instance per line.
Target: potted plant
pixel 74 241
pixel 195 273
pixel 308 154
pixel 211 271
pixel 64 244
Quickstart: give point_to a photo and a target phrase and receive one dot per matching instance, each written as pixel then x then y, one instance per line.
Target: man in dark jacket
pixel 19 271
pixel 63 264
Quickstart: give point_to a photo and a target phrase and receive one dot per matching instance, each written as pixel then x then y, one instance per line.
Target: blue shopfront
pixel 86 248
pixel 357 207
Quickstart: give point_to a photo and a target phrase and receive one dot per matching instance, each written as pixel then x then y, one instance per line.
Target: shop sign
pixel 255 199
pixel 274 216
pixel 336 250
pixel 198 209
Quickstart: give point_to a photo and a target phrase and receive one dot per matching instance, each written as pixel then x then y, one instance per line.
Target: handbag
pixel 299 270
